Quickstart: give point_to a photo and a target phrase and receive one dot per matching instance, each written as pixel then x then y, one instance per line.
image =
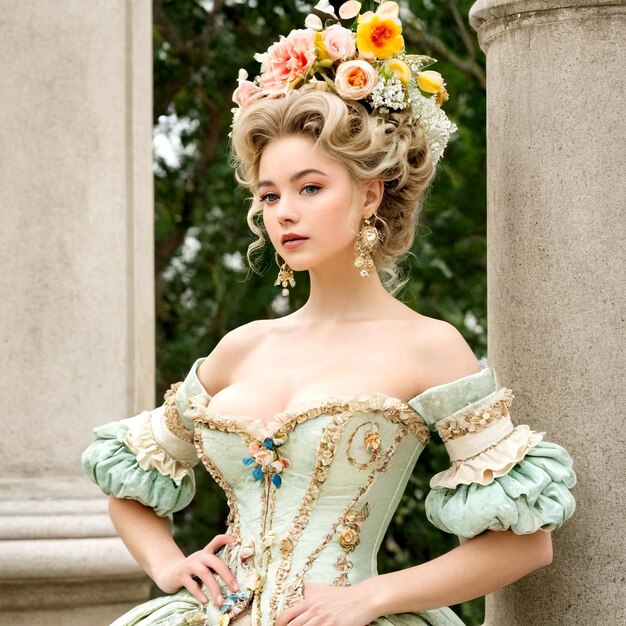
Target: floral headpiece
pixel 361 57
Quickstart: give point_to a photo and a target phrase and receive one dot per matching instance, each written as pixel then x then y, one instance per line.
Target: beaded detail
pixel 475 417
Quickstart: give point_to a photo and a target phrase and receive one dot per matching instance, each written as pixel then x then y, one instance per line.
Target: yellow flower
pixel 379 37
pixel 442 96
pixel 348 538
pixel 400 69
pixel 320 48
pixel 430 81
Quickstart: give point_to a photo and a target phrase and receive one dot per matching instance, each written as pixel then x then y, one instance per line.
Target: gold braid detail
pixel 172 416
pixel 324 457
pixel 476 417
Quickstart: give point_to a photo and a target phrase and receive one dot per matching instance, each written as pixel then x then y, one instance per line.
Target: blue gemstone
pixel 277 480
pixel 267 442
pixel 258 473
pixel 248 460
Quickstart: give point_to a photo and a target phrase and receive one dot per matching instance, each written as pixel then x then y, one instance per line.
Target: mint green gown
pixel 312 492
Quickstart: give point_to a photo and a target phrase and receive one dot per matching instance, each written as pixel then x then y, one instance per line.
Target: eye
pixel 309 190
pixel 269 197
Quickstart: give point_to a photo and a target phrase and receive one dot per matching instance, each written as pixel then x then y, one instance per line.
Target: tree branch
pixel 414 32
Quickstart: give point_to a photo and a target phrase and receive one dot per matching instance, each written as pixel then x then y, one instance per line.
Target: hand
pixel 184 572
pixel 328 605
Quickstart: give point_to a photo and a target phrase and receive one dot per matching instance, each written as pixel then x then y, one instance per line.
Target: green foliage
pixel 203 286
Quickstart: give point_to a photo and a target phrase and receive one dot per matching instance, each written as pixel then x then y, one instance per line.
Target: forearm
pixel 147 536
pixel 478 567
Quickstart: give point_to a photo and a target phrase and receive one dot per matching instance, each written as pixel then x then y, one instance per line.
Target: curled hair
pixel 393 149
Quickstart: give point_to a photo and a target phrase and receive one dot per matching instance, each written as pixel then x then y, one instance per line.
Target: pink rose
pixel 246 94
pixel 264 457
pixel 288 60
pixel 338 42
pixel 254 447
pixel 355 79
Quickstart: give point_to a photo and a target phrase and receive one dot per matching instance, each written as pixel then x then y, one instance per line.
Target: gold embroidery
pixel 395 410
pixel 172 417
pixel 294 592
pixel 349 539
pixel 476 417
pixel 323 459
pixel 372 441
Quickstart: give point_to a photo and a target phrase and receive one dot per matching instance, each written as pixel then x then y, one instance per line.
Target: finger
pixel 221 568
pixel 285 618
pixel 218 541
pixel 205 576
pixel 194 588
pixel 302 619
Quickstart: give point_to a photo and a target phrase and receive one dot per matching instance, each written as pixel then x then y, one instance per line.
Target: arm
pixel 148 538
pixel 478 567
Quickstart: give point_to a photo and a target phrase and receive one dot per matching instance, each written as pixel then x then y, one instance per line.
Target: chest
pixel 278 376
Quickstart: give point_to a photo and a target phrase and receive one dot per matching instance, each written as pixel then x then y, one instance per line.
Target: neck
pixel 339 292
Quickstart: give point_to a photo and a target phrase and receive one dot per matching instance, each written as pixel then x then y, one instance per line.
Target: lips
pixel 291 237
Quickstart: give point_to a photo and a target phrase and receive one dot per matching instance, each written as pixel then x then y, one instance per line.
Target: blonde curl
pixel 393 149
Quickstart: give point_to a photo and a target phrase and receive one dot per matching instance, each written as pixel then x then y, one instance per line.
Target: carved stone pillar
pixel 76 312
pixel 556 276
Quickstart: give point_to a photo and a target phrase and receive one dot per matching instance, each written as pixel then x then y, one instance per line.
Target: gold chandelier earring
pixel 366 241
pixel 285 277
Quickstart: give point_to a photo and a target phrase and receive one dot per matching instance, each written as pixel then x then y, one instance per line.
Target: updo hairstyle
pixel 393 149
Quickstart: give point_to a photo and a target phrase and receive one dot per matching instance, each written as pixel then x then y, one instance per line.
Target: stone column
pixel 556 276
pixel 76 311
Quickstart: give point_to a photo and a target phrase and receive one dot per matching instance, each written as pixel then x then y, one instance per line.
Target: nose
pixel 286 210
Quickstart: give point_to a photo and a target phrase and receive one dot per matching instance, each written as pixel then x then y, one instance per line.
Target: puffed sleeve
pixel 150 457
pixel 501 476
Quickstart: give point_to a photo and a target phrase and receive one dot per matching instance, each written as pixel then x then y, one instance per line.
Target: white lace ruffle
pixel 494 461
pixel 140 440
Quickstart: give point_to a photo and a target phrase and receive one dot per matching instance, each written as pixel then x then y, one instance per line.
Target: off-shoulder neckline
pixel 315 407
pixel 285 421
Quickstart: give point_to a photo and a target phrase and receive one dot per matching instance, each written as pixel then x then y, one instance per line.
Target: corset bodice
pixel 311 493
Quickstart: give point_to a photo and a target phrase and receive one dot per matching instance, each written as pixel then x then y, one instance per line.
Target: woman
pixel 312 423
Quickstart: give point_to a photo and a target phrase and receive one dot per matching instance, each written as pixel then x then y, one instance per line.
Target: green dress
pixel 311 493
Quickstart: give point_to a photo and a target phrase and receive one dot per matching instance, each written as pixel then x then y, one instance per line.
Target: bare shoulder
pixel 443 350
pixel 215 371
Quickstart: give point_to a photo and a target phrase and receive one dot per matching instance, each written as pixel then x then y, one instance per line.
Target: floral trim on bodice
pixel 349 539
pixel 262 438
pixel 392 408
pixel 266 458
pixel 476 416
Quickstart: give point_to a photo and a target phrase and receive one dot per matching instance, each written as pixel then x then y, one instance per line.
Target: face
pixel 307 201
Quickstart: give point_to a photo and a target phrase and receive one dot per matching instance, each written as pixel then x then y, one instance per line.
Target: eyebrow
pixel 293 179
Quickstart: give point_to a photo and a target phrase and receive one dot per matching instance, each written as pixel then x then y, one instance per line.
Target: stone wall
pixel 77 305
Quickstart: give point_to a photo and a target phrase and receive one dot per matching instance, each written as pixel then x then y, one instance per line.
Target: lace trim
pixel 141 442
pixel 492 462
pixel 477 416
pixel 172 416
pixel 233 520
pixel 392 408
pixel 323 460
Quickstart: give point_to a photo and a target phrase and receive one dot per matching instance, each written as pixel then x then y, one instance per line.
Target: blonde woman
pixel 313 422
